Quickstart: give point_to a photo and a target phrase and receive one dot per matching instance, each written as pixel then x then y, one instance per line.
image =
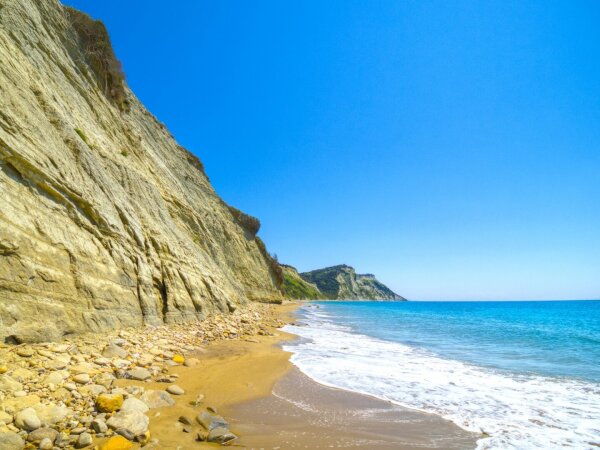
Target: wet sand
pixel 271 405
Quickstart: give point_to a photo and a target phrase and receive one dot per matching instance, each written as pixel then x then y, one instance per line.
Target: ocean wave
pixel 515 411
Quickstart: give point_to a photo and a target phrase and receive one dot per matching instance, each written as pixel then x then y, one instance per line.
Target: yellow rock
pixel 117 443
pixel 3 369
pixel 179 359
pixel 109 402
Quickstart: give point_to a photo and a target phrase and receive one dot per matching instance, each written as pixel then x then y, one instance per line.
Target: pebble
pixel 139 374
pixel 46 444
pixel 99 426
pixel 85 439
pixel 25 352
pixel 175 390
pixel 81 378
pixel 42 433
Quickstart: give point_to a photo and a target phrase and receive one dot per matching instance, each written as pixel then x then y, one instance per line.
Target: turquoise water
pixel 549 338
pixel 526 373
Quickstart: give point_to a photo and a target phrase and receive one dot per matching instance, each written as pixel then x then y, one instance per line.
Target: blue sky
pixel 451 148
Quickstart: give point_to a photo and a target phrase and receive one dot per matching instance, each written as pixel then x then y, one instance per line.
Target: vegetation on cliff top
pixel 297 288
pixel 100 56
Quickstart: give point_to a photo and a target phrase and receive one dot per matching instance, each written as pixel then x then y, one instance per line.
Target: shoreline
pixel 162 379
pixel 271 404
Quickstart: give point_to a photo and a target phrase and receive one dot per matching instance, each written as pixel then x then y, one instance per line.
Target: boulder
pixel 209 420
pixel 41 434
pixel 139 373
pixel 221 435
pixel 27 419
pixel 133 422
pixel 11 441
pixel 109 402
pixel 117 443
pixel 114 351
pixel 8 384
pixel 134 404
pixel 157 399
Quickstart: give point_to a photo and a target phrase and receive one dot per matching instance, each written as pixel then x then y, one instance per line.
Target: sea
pixel 525 374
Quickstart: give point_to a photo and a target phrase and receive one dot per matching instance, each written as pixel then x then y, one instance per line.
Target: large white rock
pixel 135 422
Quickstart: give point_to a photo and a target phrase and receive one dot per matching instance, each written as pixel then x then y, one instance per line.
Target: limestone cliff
pixel 343 283
pixel 105 221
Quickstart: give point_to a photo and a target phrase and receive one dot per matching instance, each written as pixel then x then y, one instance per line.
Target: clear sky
pixel 450 147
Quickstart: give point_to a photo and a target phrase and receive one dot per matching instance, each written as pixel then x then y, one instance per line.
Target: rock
pixel 127 434
pixel 201 436
pixel 21 374
pixel 212 409
pixel 92 389
pixel 109 402
pixel 56 377
pixel 179 359
pixel 221 435
pixel 25 352
pixel 185 420
pixel 43 433
pixel 114 351
pixel 3 369
pixel 209 420
pixel 85 440
pixel 8 384
pixel 59 348
pixel 99 426
pixel 157 399
pixel 139 374
pixel 198 401
pixel 21 402
pixel 51 414
pixel 46 444
pixel 81 378
pixel 134 422
pixel 134 404
pixel 117 443
pixel 19 394
pixel 175 390
pixel 5 418
pixel 102 361
pixel 11 441
pixel 191 362
pixel 27 419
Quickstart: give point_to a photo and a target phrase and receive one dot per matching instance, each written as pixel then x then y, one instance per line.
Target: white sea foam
pixel 516 411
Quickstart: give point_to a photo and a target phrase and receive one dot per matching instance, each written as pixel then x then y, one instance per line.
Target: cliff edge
pixel 105 221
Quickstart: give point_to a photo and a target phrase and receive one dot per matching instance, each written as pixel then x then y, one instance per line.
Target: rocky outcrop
pixel 105 220
pixel 297 288
pixel 343 283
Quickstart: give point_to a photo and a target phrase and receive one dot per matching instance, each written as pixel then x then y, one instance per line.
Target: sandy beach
pixel 272 405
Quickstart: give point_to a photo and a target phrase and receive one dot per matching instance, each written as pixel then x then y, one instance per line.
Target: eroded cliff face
pixel 343 283
pixel 105 221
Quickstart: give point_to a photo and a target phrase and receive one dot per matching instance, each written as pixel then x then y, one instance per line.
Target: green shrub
pixel 246 221
pixel 100 56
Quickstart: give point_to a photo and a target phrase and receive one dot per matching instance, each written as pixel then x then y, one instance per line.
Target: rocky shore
pixel 101 390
